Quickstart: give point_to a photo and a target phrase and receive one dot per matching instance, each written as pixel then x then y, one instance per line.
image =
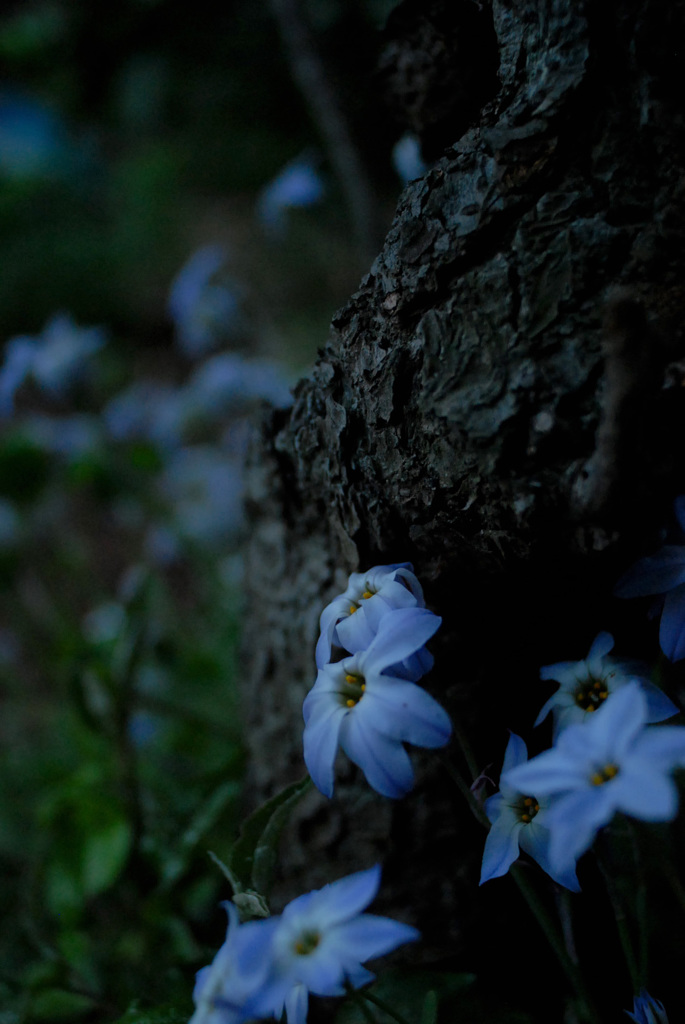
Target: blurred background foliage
pixel 159 282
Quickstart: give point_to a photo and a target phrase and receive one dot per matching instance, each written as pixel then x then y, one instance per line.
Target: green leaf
pixel 161 1015
pixel 55 1004
pixel 253 857
pixel 429 1010
pixel 104 855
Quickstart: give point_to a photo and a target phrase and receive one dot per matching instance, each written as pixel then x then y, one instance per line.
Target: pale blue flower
pixel 585 685
pixel 204 487
pixel 610 763
pixel 150 410
pixel 297 185
pixel 356 705
pixel 407 159
pixel 647 1010
pixel 235 976
pixel 351 620
pixel 320 942
pixel 205 309
pixel 663 574
pixel 228 384
pixel 518 821
pixel 55 359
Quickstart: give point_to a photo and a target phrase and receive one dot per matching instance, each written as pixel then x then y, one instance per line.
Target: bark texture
pixel 501 404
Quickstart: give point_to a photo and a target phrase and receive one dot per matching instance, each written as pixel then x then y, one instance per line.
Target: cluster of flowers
pixel 317 945
pixel 369 656
pixel 607 757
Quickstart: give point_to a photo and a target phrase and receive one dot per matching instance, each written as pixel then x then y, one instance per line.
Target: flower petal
pixel 655 574
pixel 384 761
pixel 320 740
pixel 601 645
pixel 501 849
pixel 296 1004
pixel 402 633
pixel 672 626
pixel 338 901
pixel 644 794
pixel 535 839
pixel 403 711
pixel 368 936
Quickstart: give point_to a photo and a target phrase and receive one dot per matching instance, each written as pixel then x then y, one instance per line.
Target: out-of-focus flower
pixel 585 685
pixel 407 160
pixel 205 489
pixel 149 410
pixel 350 621
pixel 224 988
pixel 518 821
pixel 297 185
pixel 356 705
pixel 610 763
pixel 33 142
pixel 228 384
pixel 320 942
pixel 55 359
pixel 10 524
pixel 68 436
pixel 664 574
pixel 647 1010
pixel 204 308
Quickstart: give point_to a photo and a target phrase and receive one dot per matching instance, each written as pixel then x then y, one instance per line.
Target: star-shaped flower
pixel 611 763
pixel 355 704
pixel 585 685
pixel 320 942
pixel 518 821
pixel 647 1010
pixel 352 619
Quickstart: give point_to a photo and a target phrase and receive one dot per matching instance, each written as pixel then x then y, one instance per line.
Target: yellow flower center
pixel 591 693
pixel 307 943
pixel 526 808
pixel 353 689
pixel 605 774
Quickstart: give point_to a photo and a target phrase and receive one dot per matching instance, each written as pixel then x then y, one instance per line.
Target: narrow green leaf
pixel 429 1010
pixel 253 857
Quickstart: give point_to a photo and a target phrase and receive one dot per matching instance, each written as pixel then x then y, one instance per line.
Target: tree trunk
pixel 500 403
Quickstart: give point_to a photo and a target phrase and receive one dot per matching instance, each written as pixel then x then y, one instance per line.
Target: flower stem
pixel 465 790
pixel 466 750
pixel 619 915
pixel 385 1007
pixel 358 998
pixel 537 908
pixel 556 941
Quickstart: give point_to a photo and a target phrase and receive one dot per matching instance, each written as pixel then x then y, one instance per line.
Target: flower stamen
pixel 307 943
pixel 353 689
pixel 605 774
pixel 591 692
pixel 526 808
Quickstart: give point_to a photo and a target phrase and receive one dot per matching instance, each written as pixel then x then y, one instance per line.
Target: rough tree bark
pixel 499 403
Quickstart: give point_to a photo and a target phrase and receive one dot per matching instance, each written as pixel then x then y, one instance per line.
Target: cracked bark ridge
pixel 491 405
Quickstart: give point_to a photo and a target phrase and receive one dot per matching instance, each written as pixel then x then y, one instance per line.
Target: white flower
pixel 320 942
pixel 351 620
pixel 585 685
pixel 371 714
pixel 612 763
pixel 518 820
